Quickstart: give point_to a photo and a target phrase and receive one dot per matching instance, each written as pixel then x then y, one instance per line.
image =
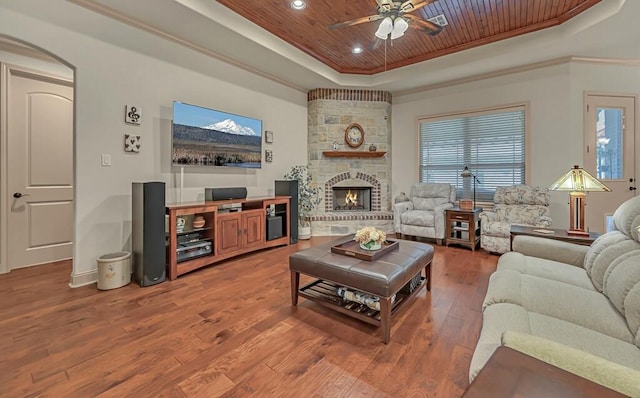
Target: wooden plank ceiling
pixel 472 23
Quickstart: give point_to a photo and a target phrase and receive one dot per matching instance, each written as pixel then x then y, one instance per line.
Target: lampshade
pixel 466 172
pixel 399 27
pixel 578 180
pixel 385 27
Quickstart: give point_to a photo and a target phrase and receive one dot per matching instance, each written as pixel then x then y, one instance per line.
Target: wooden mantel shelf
pixel 354 154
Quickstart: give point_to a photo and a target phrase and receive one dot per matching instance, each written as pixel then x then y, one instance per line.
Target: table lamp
pixel 467 173
pixel 578 181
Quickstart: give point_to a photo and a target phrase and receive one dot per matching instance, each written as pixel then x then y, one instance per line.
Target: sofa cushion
pixel 418 217
pixel 603 252
pixel 626 218
pixel 496 228
pixel 622 277
pixel 426 196
pixel 544 268
pixel 524 214
pixel 607 373
pixel 566 253
pixel 522 194
pixel 498 318
pixel 580 306
pixel 632 311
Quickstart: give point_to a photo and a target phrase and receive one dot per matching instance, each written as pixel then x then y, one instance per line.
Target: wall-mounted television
pixel 206 137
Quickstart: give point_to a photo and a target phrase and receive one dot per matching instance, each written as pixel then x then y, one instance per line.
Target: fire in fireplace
pixel 351 198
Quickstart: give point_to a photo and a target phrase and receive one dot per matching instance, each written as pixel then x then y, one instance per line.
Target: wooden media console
pixel 231 228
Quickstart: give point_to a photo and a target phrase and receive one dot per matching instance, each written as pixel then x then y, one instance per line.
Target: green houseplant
pixel 308 195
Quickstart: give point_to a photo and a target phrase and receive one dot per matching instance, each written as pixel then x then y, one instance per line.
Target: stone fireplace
pixel 341 169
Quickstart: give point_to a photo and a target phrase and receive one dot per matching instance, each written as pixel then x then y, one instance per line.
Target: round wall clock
pixel 354 135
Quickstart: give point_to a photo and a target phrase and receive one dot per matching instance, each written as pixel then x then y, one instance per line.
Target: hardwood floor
pixel 229 330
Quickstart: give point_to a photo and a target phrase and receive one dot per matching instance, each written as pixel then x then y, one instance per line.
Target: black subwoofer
pixel 274 227
pixel 147 232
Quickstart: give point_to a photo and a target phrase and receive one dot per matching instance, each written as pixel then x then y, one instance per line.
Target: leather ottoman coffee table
pixel 394 273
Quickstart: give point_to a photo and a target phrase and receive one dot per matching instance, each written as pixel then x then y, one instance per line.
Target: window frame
pixel 524 105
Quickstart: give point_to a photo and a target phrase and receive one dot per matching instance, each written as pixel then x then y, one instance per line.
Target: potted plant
pixel 308 197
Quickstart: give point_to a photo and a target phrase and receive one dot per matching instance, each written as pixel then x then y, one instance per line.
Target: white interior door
pixel 40 169
pixel 610 153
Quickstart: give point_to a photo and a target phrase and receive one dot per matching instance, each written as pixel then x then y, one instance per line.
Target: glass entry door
pixel 610 149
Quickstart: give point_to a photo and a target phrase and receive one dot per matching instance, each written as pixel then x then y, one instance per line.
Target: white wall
pixel 555 97
pixel 109 77
pixel 549 149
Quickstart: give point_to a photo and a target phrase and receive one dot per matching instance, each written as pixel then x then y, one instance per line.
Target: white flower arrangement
pixel 370 236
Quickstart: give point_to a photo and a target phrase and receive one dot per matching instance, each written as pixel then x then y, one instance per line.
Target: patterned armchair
pixel 423 214
pixel 518 204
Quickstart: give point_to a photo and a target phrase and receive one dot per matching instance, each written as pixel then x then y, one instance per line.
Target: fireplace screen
pixel 352 198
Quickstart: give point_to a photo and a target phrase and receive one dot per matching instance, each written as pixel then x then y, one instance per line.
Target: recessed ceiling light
pixel 356 50
pixel 298 4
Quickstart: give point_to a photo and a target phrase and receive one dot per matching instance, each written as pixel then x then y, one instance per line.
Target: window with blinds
pixel 490 143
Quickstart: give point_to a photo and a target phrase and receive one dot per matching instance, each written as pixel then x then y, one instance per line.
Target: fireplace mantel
pixel 354 154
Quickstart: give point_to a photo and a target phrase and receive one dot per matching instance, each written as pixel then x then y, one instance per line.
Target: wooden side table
pixel 510 373
pixel 556 234
pixel 462 227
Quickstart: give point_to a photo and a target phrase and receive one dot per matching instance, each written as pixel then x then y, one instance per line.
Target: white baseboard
pixel 83 278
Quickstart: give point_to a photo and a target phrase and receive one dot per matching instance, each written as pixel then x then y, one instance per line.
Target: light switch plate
pixel 105 159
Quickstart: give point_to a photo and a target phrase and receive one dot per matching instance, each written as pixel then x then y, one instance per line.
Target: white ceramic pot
pixel 304 232
pixel 375 246
pixel 180 224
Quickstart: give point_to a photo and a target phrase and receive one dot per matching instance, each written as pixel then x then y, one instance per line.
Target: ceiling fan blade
pixel 355 21
pixel 424 25
pixel 412 5
pixel 375 43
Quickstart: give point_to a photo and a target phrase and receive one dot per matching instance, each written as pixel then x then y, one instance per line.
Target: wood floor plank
pixel 230 330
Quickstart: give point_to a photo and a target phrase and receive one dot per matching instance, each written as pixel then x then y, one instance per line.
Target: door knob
pixel 18 195
pixel 632 188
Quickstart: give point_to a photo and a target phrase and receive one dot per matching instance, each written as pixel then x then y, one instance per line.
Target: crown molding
pixel 113 14
pixel 519 69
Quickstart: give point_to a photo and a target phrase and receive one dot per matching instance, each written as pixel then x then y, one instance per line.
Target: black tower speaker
pixel 289 188
pixel 147 232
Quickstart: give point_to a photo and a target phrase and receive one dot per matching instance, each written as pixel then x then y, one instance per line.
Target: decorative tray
pixel 353 249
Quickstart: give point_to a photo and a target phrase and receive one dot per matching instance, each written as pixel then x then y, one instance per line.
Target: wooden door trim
pixel 4 267
pixel 636 127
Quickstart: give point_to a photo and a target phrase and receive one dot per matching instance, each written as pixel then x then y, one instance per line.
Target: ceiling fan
pixel 395 19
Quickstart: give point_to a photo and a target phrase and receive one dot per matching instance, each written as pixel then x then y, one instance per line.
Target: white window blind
pixel 490 143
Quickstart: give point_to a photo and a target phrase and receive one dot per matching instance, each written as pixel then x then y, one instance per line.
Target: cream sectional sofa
pixel 575 306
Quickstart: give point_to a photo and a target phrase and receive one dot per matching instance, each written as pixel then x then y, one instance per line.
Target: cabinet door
pixel 253 223
pixel 228 234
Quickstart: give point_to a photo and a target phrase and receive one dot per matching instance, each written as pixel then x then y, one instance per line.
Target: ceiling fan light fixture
pixel 298 4
pixel 399 27
pixel 385 27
